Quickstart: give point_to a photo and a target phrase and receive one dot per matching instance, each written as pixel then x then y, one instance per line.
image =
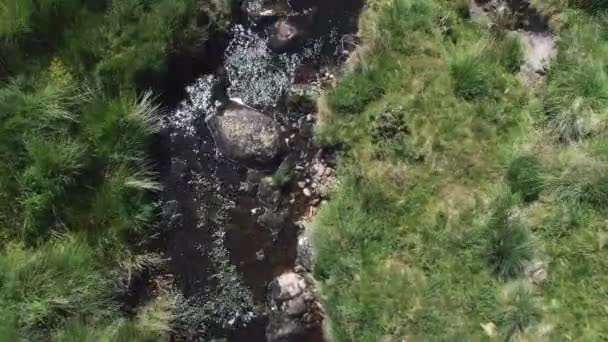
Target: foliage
pixel 61 279
pixel 473 78
pixel 75 129
pixel 510 244
pixel 521 310
pixel 356 91
pixel 525 177
pixel 419 248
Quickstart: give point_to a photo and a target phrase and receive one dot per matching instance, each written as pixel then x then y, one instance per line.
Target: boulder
pixel 291 302
pixel 243 134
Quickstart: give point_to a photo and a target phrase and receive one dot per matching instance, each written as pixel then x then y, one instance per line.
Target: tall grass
pixel 525 176
pixel 42 287
pixel 150 324
pixel 510 246
pixel 521 310
pixel 474 78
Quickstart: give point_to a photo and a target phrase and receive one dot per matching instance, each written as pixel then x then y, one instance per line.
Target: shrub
pixel 150 324
pixel 596 193
pixel 405 21
pixel 525 177
pixel 521 311
pixel 43 287
pixel 473 78
pixel 355 91
pixel 121 206
pixel 510 244
pixel 510 53
pixel 593 6
pixel 54 166
pixel 576 94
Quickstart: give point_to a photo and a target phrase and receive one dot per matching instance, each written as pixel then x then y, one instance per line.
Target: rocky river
pixel 241 174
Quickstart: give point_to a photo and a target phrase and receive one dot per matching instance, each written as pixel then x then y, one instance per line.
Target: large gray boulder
pixel 246 135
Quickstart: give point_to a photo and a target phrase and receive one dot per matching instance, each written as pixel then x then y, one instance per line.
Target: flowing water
pixel 221 255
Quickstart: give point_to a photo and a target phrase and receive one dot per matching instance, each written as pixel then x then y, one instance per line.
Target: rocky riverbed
pixel 241 176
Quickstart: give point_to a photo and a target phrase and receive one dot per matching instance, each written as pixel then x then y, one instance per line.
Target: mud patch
pixel 521 18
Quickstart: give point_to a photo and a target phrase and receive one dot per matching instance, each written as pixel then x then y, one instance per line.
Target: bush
pixel 593 6
pixel 525 177
pixel 510 244
pixel 150 324
pixel 521 311
pixel 43 287
pixel 473 78
pixel 404 22
pixel 575 96
pixel 510 53
pixel 355 91
pixel 596 193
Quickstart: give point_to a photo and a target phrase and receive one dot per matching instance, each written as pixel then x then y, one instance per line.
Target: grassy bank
pixel 76 189
pixel 470 208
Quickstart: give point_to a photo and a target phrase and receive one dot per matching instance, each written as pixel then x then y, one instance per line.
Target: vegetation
pixel 492 225
pixel 76 122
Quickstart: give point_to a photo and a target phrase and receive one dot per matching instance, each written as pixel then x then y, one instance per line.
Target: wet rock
pixel 268 193
pixel 289 34
pixel 292 308
pixel 262 12
pixel 246 135
pixel 274 221
pixel 305 253
pixel 299 5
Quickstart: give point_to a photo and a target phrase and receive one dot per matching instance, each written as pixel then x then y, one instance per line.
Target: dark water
pixel 220 256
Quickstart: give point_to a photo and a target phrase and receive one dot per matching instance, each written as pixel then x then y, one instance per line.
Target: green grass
pixel 456 178
pixel 76 125
pixel 39 288
pixel 510 246
pixel 525 176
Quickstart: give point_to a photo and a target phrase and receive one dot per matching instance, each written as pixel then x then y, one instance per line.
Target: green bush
pixel 510 245
pixel 522 311
pixel 575 94
pixel 525 177
pixel 41 288
pixel 474 79
pixel 409 19
pixel 596 193
pixel 509 52
pixel 355 91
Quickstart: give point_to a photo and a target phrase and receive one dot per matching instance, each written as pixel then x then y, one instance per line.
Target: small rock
pixel 307 192
pixel 301 185
pixel 537 272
